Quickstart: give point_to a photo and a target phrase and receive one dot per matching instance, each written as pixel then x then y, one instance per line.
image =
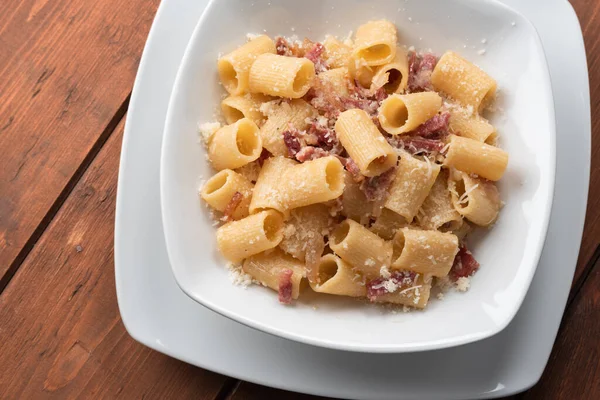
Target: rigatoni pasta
pixel 268 194
pixel 249 236
pixel 228 191
pixel 352 167
pixel 235 108
pixel 475 199
pixel 469 125
pixel 281 76
pixel 425 252
pixel 361 248
pixel 337 53
pixel 335 276
pixel 474 157
pixel 235 145
pixel 234 67
pixel 364 143
pixel 282 117
pixel 375 42
pixel 404 113
pixel 355 204
pixel 437 211
pixel 274 269
pixel 312 182
pixel 393 77
pixel 414 179
pixel 463 81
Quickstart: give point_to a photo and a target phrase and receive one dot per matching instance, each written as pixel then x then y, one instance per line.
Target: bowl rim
pixel 426 345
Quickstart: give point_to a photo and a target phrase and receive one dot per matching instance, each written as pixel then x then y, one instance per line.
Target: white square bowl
pixel 508 253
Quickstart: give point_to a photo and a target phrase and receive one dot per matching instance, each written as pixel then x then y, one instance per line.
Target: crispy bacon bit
pixel 325 137
pixel 263 156
pixel 377 94
pixel 351 167
pixel 367 105
pixel 285 48
pixel 380 95
pixel 322 97
pixel 419 72
pixel 428 62
pixel 309 153
pixel 319 141
pixel 416 144
pixel 438 124
pixel 235 201
pixel 464 265
pixel 282 46
pixel 315 54
pixel 292 141
pixel 285 286
pixel 376 188
pixel 398 279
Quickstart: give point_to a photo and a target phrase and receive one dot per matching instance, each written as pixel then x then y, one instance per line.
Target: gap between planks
pixel 587 270
pixel 228 389
pixel 64 194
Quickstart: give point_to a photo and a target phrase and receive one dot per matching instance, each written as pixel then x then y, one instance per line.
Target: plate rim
pixel 146 338
pixel 477 334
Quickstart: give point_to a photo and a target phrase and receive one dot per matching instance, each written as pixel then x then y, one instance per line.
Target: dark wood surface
pixel 67 70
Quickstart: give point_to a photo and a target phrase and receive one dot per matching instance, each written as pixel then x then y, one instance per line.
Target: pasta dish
pixel 353 168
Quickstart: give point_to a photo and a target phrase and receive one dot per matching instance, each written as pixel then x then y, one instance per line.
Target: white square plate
pixel 159 315
pixel 508 253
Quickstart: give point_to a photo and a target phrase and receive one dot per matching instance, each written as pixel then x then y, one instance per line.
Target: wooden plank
pixel 60 332
pixel 250 391
pixel 588 12
pixel 573 371
pixel 67 67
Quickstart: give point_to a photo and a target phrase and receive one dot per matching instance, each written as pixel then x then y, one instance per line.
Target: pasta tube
pixel 335 276
pixel 249 236
pixel 361 248
pixel 219 192
pixel 474 157
pixel 463 81
pixel 404 113
pixel 247 106
pixel 437 211
pixel 475 199
pixel 375 42
pixel 393 77
pixel 365 144
pixel 234 67
pixel 414 179
pixel 235 145
pixel 425 252
pixel 281 76
pixel 267 268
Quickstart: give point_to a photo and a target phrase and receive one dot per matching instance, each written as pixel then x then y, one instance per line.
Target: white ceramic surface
pixel 159 315
pixel 508 253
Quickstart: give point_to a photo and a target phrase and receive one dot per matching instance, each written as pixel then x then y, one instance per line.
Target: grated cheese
pixel 385 272
pixel 208 129
pixel 464 198
pixel 237 275
pixel 463 284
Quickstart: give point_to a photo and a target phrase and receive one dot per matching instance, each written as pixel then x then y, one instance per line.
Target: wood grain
pixel 61 335
pixel 67 67
pixel 588 12
pixel 249 391
pixel 573 371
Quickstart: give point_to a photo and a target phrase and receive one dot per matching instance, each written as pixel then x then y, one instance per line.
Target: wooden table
pixel 67 70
